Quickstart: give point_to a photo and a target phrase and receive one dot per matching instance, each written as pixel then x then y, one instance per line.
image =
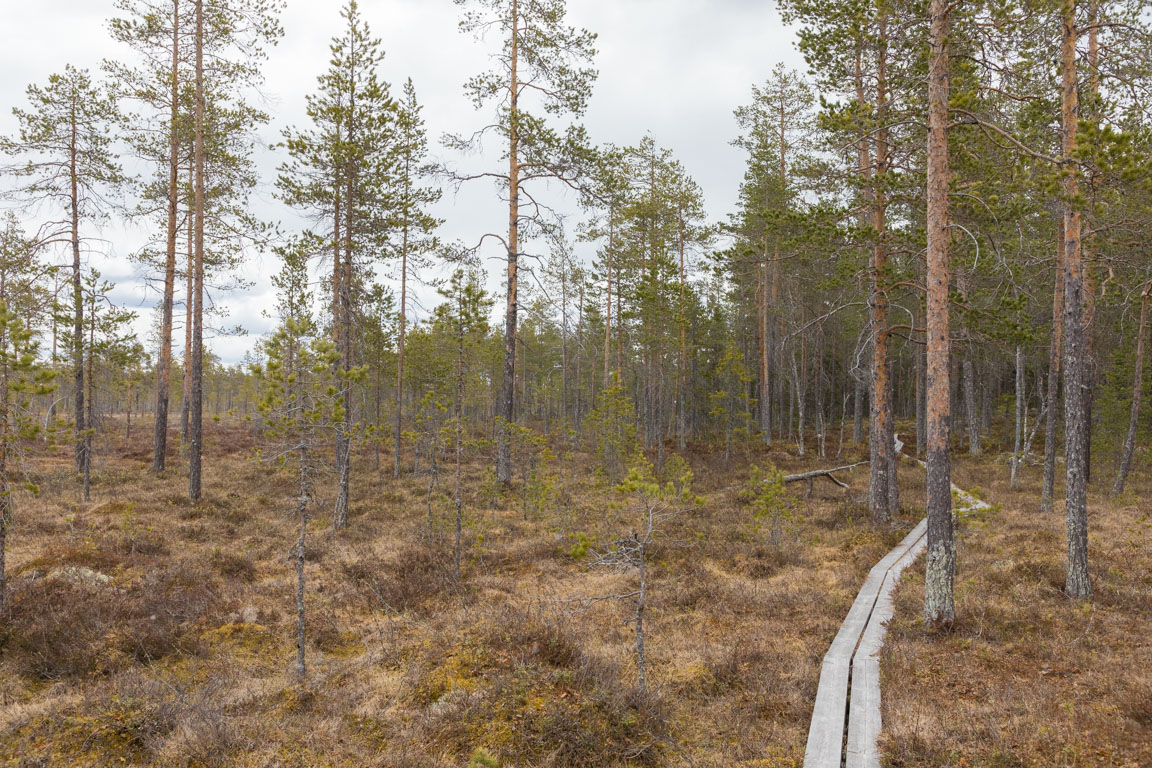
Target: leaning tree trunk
pixel 1078 583
pixel 1137 390
pixel 940 565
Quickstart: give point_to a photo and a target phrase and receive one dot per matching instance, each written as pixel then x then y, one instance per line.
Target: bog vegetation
pixel 558 523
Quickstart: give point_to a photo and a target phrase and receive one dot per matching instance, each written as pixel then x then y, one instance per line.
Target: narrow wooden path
pixel 846 716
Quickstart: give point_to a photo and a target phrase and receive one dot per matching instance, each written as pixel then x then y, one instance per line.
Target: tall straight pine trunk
pixel 940 565
pixel 196 415
pixel 164 358
pixel 882 466
pixel 77 303
pixel 507 409
pixel 1077 584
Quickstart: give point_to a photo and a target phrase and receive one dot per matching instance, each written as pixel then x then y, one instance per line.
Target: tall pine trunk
pixel 508 389
pixel 190 286
pixel 164 358
pixel 196 415
pixel 77 303
pixel 881 438
pixel 940 564
pixel 1078 583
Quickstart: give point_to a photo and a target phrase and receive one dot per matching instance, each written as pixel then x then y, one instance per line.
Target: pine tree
pixel 67 160
pixel 542 57
pixel 23 375
pixel 414 227
pixel 301 404
pixel 342 171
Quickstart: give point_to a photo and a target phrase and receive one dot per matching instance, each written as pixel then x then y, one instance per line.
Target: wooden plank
pixel 864 718
pixel 825 747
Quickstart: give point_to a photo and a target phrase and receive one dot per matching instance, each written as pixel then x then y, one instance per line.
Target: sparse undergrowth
pixel 154 630
pixel 1027 677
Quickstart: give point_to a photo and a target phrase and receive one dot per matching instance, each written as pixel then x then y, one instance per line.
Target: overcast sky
pixel 672 68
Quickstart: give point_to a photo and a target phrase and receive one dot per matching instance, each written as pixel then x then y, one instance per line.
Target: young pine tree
pixel 302 407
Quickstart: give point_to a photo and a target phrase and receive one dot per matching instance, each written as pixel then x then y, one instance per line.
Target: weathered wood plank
pixel 864 719
pixel 825 748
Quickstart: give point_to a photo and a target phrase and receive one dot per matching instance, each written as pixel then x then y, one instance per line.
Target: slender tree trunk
pixel 857 410
pixel 164 358
pixel 1021 407
pixel 580 360
pixel 5 489
pixel 196 416
pixel 77 303
pixel 971 417
pixel 402 319
pixel 1137 392
pixel 608 307
pixel 508 391
pixel 682 368
pixel 459 497
pixel 880 467
pixel 301 550
pixel 1078 583
pixel 564 343
pixel 344 313
pixel 1055 365
pixel 89 401
pixel 641 606
pixel 921 399
pixel 940 565
pixel 190 288
pixel 765 355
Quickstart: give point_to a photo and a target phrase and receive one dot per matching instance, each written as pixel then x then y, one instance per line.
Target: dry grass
pixel 1028 677
pixel 170 642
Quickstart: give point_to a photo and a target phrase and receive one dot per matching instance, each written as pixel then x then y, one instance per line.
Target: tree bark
pixel 1078 583
pixel 196 416
pixel 881 438
pixel 1055 352
pixel 77 300
pixel 971 417
pixel 1137 391
pixel 1021 405
pixel 940 565
pixel 190 287
pixel 344 315
pixel 164 358
pixel 508 390
pixel 402 320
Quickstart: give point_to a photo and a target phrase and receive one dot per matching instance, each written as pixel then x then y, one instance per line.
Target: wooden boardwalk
pixel 846 716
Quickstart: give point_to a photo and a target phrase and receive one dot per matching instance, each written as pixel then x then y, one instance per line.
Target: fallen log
pixel 810 477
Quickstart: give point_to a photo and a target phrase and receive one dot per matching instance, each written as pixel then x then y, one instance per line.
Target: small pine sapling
pixel 655 505
pixel 772 505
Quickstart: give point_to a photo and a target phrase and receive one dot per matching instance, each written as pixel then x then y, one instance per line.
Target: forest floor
pixel 146 630
pixel 1028 677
